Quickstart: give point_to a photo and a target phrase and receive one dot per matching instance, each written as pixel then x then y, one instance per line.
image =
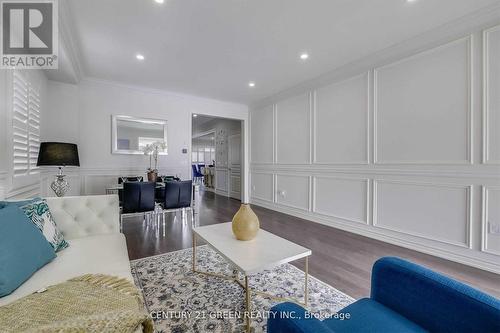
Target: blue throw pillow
pixel 39 213
pixel 23 249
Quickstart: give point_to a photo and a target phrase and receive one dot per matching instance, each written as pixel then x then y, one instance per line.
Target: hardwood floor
pixel 339 258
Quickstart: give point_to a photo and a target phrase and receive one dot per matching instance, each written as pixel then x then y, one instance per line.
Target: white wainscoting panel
pixel 439 212
pixel 492 95
pixel 396 148
pixel 293 130
pixel 97 184
pixel 262 186
pixel 293 191
pixel 491 219
pixel 341 122
pixel 342 198
pixel 422 107
pixel 262 135
pixel 235 181
pixel 221 180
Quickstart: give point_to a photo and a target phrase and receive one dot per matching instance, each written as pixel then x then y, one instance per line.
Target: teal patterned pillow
pixel 39 213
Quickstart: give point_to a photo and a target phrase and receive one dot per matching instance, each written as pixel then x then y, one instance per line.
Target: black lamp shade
pixel 58 154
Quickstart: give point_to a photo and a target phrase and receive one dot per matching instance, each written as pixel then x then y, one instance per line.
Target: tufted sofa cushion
pixel 84 216
pixel 92 226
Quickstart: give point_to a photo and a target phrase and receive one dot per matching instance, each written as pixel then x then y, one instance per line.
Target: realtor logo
pixel 29 34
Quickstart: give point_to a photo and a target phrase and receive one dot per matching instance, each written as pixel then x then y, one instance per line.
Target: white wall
pixel 401 151
pixel 82 114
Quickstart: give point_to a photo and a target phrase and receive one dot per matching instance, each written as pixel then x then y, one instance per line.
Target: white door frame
pixel 231 168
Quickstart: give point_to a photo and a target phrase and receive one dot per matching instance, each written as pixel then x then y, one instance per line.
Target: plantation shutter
pixel 25 125
pixel 33 127
pixel 20 124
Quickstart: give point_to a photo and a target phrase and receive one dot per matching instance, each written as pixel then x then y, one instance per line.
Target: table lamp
pixel 58 154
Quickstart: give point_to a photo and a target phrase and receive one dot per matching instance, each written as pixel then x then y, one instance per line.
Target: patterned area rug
pixel 182 301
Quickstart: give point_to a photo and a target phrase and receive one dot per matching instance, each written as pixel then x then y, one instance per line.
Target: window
pixel 25 124
pixel 204 155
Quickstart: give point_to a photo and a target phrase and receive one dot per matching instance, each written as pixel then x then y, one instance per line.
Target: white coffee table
pixel 250 257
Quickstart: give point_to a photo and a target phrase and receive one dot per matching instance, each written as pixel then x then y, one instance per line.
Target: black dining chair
pixel 127 179
pixel 130 179
pixel 138 199
pixel 160 190
pixel 178 196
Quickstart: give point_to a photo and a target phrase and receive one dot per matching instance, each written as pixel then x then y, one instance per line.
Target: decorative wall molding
pixel 464 256
pixel 469 134
pixel 468 204
pixel 366 182
pixel 278 189
pixel 457 181
pixel 314 115
pixel 291 113
pixel 484 218
pixel 252 186
pixel 486 172
pixel 94 180
pixel 486 97
pixel 221 181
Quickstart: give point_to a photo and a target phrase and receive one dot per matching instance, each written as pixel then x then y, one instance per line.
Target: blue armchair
pixel 405 297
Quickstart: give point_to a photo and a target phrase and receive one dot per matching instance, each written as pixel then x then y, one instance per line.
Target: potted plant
pixel 153 150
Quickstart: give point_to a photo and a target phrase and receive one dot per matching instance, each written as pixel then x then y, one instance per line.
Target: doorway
pixel 216 155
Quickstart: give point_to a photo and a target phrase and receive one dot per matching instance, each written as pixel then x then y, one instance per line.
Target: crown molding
pixel 481 19
pixel 67 38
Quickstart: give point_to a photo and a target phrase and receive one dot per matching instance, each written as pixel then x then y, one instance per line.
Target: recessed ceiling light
pixel 159 1
pixel 251 84
pixel 304 56
pixel 139 56
pixel 411 0
pixel 195 115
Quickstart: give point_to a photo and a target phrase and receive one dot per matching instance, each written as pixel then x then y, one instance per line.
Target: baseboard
pixel 221 192
pixel 381 235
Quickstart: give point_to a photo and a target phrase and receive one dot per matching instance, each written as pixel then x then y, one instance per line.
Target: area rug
pixel 182 301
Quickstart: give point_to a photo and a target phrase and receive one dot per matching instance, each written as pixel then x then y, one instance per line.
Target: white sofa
pixel 91 225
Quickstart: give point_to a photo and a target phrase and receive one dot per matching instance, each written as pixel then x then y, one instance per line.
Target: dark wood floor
pixel 339 258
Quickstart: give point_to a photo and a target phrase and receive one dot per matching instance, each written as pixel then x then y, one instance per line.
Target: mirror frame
pixel 114 134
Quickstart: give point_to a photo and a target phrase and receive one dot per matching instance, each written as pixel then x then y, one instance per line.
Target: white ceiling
pixel 214 48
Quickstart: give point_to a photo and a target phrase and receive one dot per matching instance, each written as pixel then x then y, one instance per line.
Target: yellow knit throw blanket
pixel 88 303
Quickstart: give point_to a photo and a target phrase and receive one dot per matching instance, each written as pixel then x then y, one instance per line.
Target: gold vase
pixel 245 223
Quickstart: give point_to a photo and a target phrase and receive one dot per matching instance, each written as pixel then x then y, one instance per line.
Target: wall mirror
pixel 130 135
